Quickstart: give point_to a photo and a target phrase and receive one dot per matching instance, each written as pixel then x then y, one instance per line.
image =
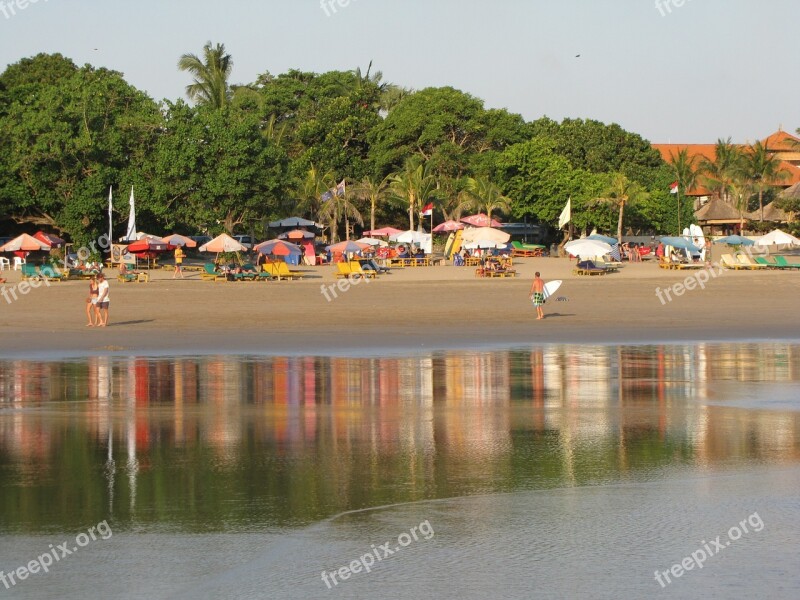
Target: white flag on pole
pixel 131 233
pixel 566 214
pixel 110 218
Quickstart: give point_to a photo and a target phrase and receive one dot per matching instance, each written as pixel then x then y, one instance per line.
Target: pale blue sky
pixel 708 69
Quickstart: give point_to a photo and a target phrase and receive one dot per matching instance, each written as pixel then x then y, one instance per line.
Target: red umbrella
pixel 278 248
pixel 383 232
pixel 297 234
pixel 448 226
pixel 148 245
pixel 480 220
pixel 48 238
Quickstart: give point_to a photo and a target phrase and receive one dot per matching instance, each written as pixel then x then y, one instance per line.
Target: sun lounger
pixel 211 274
pixel 609 266
pixel 745 261
pixel 782 263
pixel 280 270
pixel 50 273
pixel 127 277
pixel 588 267
pixel 762 260
pixel 727 261
pixel 29 271
pixel 343 270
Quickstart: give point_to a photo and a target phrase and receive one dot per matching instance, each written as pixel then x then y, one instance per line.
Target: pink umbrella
pixel 383 232
pixel 480 220
pixel 176 239
pixel 448 226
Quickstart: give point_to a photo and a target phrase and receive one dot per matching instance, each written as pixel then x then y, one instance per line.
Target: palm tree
pixel 337 207
pixel 763 169
pixel 414 185
pixel 373 191
pixel 210 74
pixel 310 190
pixel 684 165
pixel 620 193
pixel 483 195
pixel 724 170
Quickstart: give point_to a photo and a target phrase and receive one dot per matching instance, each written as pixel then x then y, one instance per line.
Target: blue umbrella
pixel 604 238
pixel 679 242
pixel 735 240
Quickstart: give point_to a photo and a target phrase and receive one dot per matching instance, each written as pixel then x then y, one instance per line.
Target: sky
pixel 682 71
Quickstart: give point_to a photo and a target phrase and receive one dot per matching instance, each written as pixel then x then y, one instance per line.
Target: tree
pixel 373 191
pixel 762 169
pixel 483 195
pixel 413 185
pixel 340 206
pixel 211 74
pixel 726 168
pixel 620 193
pixel 310 190
pixel 686 173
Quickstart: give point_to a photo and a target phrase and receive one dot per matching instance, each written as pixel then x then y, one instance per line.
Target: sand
pixel 409 309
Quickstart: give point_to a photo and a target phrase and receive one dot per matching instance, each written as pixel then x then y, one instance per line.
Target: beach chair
pixel 254 274
pixel 211 274
pixel 762 260
pixel 782 263
pixel 281 271
pixel 29 271
pixel 127 277
pixel 343 270
pixel 609 266
pixel 588 267
pixel 746 263
pixel 727 261
pixel 50 273
pixel 357 271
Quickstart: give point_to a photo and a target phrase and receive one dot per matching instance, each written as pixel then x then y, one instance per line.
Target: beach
pixel 424 308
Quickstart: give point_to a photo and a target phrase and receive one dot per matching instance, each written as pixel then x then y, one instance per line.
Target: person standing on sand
pixel 103 300
pixel 91 303
pixel 178 262
pixel 537 295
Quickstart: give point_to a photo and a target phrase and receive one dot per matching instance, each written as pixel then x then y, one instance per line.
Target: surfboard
pixel 551 287
pixel 448 247
pixel 456 243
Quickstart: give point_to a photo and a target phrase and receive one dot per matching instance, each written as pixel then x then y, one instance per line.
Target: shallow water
pixel 566 471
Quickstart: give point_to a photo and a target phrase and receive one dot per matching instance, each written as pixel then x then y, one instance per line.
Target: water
pixel 558 472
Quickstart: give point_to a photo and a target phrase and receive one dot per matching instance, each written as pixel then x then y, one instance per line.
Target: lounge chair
pixel 782 263
pixel 50 273
pixel 609 266
pixel 211 273
pixel 29 271
pixel 745 261
pixel 728 261
pixel 280 270
pixel 587 267
pixel 521 250
pixel 127 277
pixel 343 270
pixel 357 271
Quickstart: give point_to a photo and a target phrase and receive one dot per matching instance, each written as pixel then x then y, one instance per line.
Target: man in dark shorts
pixel 537 295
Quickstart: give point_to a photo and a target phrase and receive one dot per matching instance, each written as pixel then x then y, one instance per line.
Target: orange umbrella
pixel 176 239
pixel 26 243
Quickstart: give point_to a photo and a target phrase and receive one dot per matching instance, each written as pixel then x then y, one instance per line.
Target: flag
pixel 110 218
pixel 131 232
pixel 566 214
pixel 673 189
pixel 338 191
pixel 427 211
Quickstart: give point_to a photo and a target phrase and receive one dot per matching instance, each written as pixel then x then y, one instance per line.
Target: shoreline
pixel 413 310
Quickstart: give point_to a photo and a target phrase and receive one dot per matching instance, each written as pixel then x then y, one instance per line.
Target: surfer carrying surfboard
pixel 537 295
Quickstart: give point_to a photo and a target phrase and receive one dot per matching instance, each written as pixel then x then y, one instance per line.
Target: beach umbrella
pixel 448 226
pixel 278 248
pixel 148 245
pixel 294 223
pixel 50 239
pixel 371 241
pixel 223 243
pixel 587 248
pixel 24 243
pixel 777 238
pixel 409 237
pixel 348 247
pixel 177 239
pixel 735 240
pixel 679 242
pixel 297 234
pixel 486 235
pixel 603 238
pixel 485 244
pixel 480 220
pixel 383 232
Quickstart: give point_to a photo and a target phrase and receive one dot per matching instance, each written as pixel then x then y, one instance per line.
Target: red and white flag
pixel 673 189
pixel 427 211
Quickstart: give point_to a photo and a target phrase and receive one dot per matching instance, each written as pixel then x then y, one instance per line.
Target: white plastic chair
pixel 18 262
pixel 4 263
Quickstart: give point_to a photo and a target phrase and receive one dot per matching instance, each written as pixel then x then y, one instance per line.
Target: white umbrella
pixel 372 241
pixel 485 244
pixel 485 234
pixel 410 237
pixel 223 243
pixel 777 238
pixel 587 248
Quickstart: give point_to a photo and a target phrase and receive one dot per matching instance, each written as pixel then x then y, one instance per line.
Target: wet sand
pixel 419 308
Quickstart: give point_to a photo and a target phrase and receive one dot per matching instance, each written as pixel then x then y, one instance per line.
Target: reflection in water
pixel 231 443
